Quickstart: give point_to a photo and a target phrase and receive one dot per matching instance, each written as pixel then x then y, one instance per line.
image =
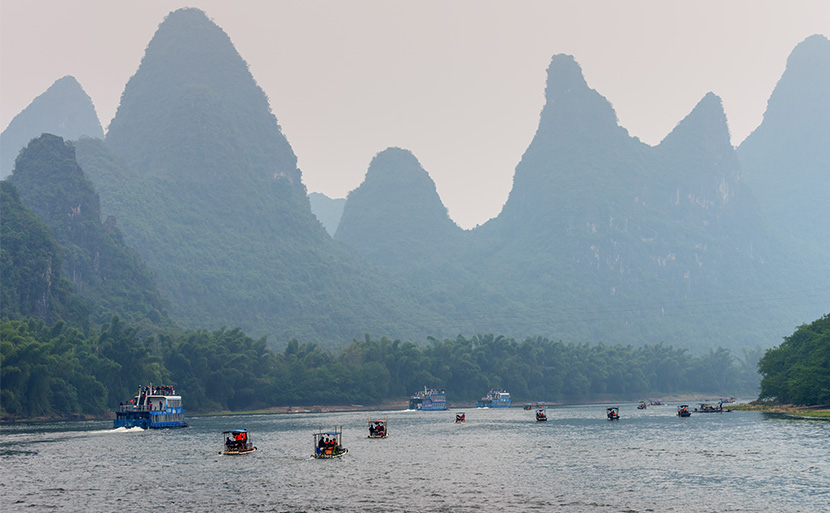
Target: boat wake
pixel 117 430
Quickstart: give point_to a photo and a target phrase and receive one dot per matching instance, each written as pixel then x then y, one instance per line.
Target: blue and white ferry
pixel 152 408
pixel 495 398
pixel 428 399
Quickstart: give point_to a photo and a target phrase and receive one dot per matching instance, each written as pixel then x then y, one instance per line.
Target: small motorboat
pixel 236 441
pixel 683 411
pixel 541 416
pixel 378 427
pixel 710 408
pixel 642 406
pixel 329 444
pixel 613 413
pixel 460 418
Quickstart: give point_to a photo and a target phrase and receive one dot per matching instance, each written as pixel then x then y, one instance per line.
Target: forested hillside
pixel 786 162
pixel 395 217
pixel 32 282
pixel 110 277
pixel 602 239
pixel 206 187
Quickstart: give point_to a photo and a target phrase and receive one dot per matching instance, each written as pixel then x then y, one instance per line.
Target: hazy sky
pixel 459 83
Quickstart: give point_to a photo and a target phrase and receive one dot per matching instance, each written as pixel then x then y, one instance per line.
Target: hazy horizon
pixel 461 85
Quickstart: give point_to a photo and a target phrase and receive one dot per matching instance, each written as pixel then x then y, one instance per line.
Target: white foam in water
pixel 118 430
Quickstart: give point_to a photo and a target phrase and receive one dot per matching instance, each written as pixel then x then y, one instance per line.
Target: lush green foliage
pixel 50 370
pixel 111 278
pixel 31 279
pixel 798 371
pixel 58 370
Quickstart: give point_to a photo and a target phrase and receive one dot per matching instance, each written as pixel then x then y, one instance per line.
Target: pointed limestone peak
pixel 194 113
pixel 573 108
pixel 399 168
pixel 52 184
pixel 197 41
pixel 703 130
pixel 564 77
pixel 700 158
pixel 64 110
pixel 396 210
pixel 800 100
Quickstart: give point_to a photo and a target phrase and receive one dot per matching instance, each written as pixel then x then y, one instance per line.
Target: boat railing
pixel 142 407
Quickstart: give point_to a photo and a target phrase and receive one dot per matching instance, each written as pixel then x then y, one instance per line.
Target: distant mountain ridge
pixel 64 110
pixel 617 230
pixel 210 194
pixel 327 210
pixel 602 238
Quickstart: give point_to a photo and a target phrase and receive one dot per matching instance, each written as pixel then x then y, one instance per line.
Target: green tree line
pixel 798 371
pixel 58 370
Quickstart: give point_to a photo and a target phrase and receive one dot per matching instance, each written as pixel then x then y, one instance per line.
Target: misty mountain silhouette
pixel 786 159
pixel 64 110
pixel 395 217
pixel 602 238
pixel 217 206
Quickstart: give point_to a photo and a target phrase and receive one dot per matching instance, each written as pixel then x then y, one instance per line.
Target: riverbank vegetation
pixel 798 371
pixel 58 370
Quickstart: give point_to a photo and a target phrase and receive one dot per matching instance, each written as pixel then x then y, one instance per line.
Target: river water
pixel 649 460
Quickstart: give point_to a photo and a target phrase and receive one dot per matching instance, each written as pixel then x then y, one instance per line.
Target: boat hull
pixel 329 455
pixel 493 404
pixel 148 420
pixel 236 453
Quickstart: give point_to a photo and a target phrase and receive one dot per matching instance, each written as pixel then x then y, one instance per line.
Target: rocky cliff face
pixel 64 110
